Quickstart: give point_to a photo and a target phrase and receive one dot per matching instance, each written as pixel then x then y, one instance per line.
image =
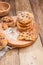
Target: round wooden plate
pixel 17 43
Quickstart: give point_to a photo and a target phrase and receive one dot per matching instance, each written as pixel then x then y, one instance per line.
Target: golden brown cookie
pixel 24 28
pixel 22 25
pixel 24 17
pixel 24 36
pixel 9 20
pixel 6 19
pixel 3 40
pixel 24 22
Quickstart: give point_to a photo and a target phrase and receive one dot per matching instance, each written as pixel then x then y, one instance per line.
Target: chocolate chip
pixel 1 38
pixel 29 34
pixel 21 19
pixel 0 44
pixel 29 17
pixel 26 16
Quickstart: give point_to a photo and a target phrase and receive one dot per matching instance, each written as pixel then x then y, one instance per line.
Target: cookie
pixel 23 22
pixel 24 36
pixel 9 20
pixel 3 40
pixel 24 28
pixel 29 24
pixel 6 19
pixel 24 17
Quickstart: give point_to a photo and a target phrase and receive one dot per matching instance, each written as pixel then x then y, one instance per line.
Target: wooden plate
pixel 16 43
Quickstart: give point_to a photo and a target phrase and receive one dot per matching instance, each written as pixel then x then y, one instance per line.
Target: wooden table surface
pixel 25 56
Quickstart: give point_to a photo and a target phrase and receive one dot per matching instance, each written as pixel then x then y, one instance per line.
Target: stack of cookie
pixel 24 21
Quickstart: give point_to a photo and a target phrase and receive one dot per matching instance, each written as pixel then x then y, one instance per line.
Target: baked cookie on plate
pixel 3 40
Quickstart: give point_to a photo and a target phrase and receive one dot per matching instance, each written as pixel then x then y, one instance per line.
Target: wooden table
pixel 23 56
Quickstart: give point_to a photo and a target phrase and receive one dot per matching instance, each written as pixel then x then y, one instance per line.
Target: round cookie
pixel 24 28
pixel 24 36
pixel 23 22
pixel 29 24
pixel 6 19
pixel 27 12
pixel 3 40
pixel 24 17
pixel 9 20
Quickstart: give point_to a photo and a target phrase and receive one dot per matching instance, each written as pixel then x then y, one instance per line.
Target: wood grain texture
pixel 22 5
pixel 10 58
pixel 41 5
pixel 38 16
pixel 25 54
pixel 21 56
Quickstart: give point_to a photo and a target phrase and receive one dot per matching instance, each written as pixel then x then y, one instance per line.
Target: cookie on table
pixel 3 40
pixel 8 20
pixel 24 36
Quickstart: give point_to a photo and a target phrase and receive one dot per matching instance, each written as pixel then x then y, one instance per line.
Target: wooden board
pixel 14 42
